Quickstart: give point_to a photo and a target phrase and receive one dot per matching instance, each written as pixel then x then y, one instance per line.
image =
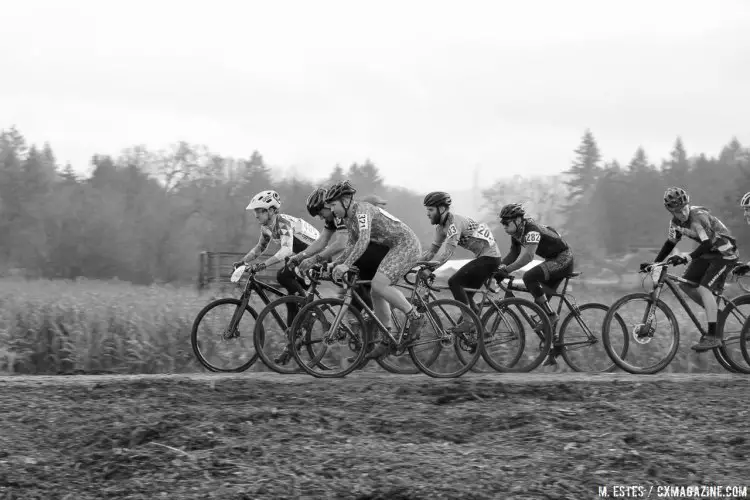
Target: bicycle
pixel 340 333
pixel 645 324
pixel 562 346
pixel 238 306
pixel 264 336
pixel 498 312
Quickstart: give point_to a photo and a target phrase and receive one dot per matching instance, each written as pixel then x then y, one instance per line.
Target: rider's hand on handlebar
pixel 502 270
pixel 257 267
pixel 295 260
pixel 339 271
pixel 741 270
pixel 237 264
pixel 677 259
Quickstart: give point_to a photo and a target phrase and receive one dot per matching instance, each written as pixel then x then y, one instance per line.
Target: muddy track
pixel 262 435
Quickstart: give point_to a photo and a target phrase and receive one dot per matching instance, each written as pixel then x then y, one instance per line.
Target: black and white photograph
pixel 395 250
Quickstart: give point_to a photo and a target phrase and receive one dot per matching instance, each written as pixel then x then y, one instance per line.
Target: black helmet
pixel 315 201
pixel 339 189
pixel 511 211
pixel 675 198
pixel 437 198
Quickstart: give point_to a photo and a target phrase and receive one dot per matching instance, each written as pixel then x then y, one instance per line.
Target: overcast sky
pixel 427 90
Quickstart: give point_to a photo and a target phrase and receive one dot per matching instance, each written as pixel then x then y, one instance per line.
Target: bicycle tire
pixel 722 353
pixel 466 312
pixel 547 329
pixel 260 337
pixel 194 336
pixel 522 337
pixel 607 340
pixel 571 316
pixel 330 372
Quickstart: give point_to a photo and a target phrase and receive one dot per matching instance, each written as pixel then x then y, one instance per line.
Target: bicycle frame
pixel 260 289
pixel 351 294
pixel 671 280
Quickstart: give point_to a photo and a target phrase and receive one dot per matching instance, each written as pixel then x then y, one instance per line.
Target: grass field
pixel 49 327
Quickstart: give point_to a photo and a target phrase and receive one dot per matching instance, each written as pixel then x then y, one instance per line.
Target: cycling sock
pixel 712 328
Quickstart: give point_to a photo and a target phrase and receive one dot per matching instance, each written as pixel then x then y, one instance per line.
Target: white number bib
pixel 483 232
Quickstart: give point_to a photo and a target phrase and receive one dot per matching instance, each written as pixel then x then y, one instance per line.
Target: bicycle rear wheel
pixel 581 338
pixel 450 326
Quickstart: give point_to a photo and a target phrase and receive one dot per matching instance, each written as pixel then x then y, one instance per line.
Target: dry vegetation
pixel 50 327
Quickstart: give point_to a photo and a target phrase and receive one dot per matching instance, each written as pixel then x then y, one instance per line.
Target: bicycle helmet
pixel 745 201
pixel 265 199
pixel 675 198
pixel 339 189
pixel 511 211
pixel 437 198
pixel 315 201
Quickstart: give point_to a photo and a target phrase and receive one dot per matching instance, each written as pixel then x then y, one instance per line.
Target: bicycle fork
pixel 232 331
pixel 644 332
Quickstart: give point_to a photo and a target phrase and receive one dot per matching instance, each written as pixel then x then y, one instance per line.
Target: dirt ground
pixel 369 436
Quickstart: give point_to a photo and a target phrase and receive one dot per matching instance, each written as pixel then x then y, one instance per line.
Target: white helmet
pixel 745 201
pixel 265 199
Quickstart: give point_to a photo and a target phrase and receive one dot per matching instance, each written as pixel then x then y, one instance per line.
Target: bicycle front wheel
pixel 731 322
pixel 218 346
pixel 450 327
pixel 518 335
pixel 653 341
pixel 272 338
pixel 339 341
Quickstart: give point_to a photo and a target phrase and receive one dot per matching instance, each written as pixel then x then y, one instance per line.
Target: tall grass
pixel 49 327
pixel 58 326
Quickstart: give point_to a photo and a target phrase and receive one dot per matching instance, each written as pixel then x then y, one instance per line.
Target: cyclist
pixel 742 269
pixel 529 238
pixel 367 223
pixel 709 263
pixel 292 233
pixel 451 231
pixel 322 251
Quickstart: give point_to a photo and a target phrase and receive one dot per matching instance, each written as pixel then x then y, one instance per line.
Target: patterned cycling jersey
pixel 700 220
pixel 334 224
pixel 367 223
pixel 465 232
pixel 550 243
pixel 293 234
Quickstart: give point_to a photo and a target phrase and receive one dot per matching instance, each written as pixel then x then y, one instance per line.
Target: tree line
pixel 144 216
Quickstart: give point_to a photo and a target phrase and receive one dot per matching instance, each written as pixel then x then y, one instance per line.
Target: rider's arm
pixel 528 250
pixel 435 246
pixel 449 247
pixel 338 245
pixel 515 249
pixel 705 244
pixel 259 248
pixel 527 255
pixel 286 239
pixel 673 236
pixel 318 245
